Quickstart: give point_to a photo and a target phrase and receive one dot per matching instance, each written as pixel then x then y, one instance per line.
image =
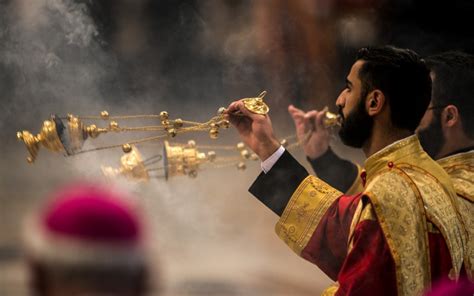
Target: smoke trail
pixel 53 59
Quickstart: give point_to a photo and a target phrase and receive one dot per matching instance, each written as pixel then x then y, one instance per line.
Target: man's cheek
pixel 425 122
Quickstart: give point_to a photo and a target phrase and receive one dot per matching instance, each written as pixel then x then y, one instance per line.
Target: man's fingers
pixel 232 119
pixel 230 112
pixel 237 113
pixel 292 109
pixel 311 114
pixel 295 112
pixel 319 119
pixel 233 107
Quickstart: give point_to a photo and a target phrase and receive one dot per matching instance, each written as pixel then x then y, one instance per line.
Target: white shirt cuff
pixel 268 163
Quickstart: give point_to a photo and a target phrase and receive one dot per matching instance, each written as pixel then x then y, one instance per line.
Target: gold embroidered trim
pixel 432 228
pixel 304 211
pixel 466 210
pixel 363 212
pixel 398 211
pixel 354 222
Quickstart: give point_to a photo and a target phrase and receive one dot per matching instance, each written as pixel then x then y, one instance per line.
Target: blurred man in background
pixel 402 232
pixel 86 241
pixel 446 133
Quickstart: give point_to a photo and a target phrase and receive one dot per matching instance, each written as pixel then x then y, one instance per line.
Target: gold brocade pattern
pixel 435 198
pixel 441 211
pixel 460 168
pixel 466 209
pixel 403 198
pixel 398 211
pixel 304 211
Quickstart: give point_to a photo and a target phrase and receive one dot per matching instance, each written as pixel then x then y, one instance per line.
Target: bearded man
pixel 402 231
pixel 446 133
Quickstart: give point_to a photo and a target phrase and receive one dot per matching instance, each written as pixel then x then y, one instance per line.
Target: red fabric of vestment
pixel 369 268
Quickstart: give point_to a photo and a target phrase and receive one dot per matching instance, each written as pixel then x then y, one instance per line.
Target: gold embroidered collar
pixel 460 168
pixel 465 158
pixel 393 154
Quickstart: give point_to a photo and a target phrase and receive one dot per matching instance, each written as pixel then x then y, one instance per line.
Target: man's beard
pixel 431 137
pixel 357 126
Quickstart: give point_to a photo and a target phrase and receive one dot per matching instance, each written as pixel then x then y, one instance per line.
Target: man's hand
pixel 311 131
pixel 255 130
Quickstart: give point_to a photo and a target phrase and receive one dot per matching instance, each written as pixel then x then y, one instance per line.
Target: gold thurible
pixel 131 166
pixel 331 119
pixel 48 138
pixel 68 138
pixel 68 134
pixel 182 159
pixel 257 105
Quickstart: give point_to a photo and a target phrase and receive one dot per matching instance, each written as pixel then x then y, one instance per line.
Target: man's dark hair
pixel 453 84
pixel 404 79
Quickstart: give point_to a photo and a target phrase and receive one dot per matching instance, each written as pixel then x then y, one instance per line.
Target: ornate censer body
pixel 183 159
pixel 57 136
pixel 131 167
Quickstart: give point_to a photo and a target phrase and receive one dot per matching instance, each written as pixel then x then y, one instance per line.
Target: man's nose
pixel 340 100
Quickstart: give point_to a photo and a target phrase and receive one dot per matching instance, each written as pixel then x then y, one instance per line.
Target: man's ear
pixel 375 102
pixel 450 116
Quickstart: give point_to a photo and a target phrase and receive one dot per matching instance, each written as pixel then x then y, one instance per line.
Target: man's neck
pixel 381 138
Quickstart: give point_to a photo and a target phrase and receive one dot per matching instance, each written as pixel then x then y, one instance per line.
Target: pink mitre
pixel 86 224
pixel 463 287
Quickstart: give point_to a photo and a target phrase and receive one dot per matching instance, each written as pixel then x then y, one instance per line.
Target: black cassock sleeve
pixel 275 188
pixel 337 172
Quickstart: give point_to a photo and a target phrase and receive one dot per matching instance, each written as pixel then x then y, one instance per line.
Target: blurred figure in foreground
pixel 444 288
pixel 86 241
